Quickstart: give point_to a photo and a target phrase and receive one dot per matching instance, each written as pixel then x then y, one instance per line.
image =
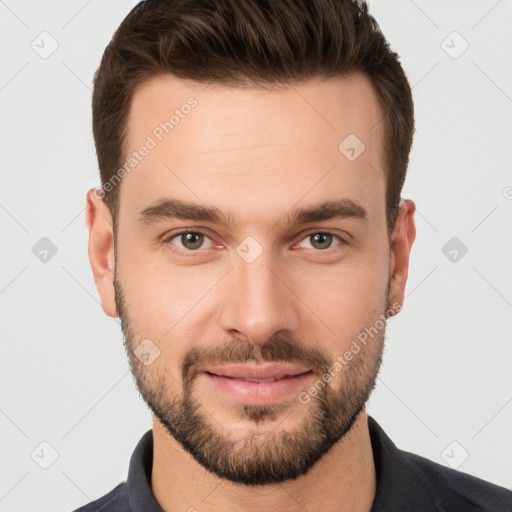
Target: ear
pixel 402 238
pixel 101 249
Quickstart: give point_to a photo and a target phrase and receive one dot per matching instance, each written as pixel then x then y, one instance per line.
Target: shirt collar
pixel 138 483
pixel 400 485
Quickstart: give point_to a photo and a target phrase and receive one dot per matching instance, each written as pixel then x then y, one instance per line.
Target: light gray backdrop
pixel 445 389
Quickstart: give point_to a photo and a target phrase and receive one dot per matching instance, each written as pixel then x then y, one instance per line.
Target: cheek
pixel 173 303
pixel 342 300
pixel 168 303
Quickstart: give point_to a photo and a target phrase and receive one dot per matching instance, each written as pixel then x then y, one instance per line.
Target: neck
pixel 343 480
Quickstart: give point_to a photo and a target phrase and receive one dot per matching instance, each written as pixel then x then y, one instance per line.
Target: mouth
pixel 277 377
pixel 251 373
pixel 255 385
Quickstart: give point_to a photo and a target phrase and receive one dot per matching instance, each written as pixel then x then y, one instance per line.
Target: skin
pixel 259 154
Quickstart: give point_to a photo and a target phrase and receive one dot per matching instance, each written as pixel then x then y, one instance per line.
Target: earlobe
pixel 101 249
pixel 402 239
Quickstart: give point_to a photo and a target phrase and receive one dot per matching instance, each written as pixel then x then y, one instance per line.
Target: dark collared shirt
pixel 405 483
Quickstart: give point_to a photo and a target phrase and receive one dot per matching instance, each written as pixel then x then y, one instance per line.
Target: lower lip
pixel 257 393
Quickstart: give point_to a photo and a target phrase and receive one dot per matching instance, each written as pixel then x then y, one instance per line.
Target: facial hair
pixel 258 457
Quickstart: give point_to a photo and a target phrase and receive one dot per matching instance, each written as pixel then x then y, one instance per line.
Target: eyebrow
pixel 165 209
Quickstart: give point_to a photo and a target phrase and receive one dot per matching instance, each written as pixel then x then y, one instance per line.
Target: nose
pixel 257 301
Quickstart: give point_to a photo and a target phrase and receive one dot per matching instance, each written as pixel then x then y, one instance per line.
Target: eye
pixel 190 240
pixel 322 240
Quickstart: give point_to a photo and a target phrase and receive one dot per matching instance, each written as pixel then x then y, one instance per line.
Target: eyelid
pixel 325 231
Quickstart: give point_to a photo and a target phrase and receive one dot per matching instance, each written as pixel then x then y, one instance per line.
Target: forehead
pixel 242 147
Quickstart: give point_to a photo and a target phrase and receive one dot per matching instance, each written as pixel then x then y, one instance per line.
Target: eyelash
pixel 168 239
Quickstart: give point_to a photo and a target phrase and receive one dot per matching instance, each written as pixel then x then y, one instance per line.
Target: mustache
pixel 279 349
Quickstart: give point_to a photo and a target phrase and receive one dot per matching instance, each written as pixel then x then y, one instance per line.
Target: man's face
pixel 261 289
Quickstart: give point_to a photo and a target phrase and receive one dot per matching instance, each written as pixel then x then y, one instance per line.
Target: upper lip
pixel 243 371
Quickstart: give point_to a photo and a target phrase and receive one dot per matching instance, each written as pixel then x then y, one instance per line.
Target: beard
pixel 257 456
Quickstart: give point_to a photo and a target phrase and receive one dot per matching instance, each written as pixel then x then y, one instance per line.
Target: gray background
pixel 445 387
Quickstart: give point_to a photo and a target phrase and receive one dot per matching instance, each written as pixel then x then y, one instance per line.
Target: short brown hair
pixel 255 42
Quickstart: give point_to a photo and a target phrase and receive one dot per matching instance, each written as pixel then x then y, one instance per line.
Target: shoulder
pixel 456 490
pixel 116 499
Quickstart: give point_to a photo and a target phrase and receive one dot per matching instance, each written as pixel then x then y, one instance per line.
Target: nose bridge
pixel 256 303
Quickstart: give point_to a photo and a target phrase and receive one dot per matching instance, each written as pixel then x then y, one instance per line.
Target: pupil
pixel 325 236
pixel 189 239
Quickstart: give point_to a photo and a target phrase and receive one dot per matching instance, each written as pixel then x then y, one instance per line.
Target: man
pixel 251 237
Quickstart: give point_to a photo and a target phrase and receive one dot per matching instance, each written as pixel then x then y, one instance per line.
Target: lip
pixel 232 382
pixel 259 372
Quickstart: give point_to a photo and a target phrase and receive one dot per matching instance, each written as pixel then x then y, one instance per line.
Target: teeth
pixel 277 377
pixel 259 380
